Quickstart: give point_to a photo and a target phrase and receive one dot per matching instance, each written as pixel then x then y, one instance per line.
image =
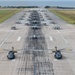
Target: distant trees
pixel 59 7
pixel 47 6
pixel 65 7
pixel 27 7
pixel 37 7
pixel 20 6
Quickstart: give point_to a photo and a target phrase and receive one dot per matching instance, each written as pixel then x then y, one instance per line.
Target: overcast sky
pixel 64 3
pixel 37 0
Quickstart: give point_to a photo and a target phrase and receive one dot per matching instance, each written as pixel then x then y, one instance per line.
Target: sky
pixel 37 0
pixel 64 3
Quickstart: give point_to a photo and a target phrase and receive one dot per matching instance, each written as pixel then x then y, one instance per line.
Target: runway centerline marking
pixel 19 38
pixel 51 38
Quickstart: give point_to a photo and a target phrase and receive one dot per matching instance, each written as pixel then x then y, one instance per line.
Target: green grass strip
pixel 5 14
pixel 67 15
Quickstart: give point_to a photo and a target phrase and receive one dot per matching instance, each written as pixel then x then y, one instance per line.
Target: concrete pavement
pixel 24 64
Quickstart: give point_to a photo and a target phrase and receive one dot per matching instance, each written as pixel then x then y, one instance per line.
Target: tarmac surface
pixel 35 56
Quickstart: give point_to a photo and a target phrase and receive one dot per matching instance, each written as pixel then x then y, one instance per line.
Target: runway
pixel 34 56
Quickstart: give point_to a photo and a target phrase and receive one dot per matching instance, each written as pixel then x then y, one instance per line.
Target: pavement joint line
pixel 19 38
pixel 6 38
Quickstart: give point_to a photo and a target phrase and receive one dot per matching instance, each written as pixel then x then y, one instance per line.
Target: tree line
pixel 59 7
pixel 18 6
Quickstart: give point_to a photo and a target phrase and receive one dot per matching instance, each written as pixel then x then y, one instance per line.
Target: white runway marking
pixel 55 60
pixel 19 38
pixel 65 41
pixel 13 60
pixel 50 38
pixel 62 37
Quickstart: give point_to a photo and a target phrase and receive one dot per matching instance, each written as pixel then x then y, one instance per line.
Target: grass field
pixel 67 15
pixel 5 14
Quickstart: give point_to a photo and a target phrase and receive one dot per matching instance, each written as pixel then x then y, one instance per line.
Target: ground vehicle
pixel 34 37
pixel 53 22
pixel 27 24
pixel 11 54
pixel 35 27
pixel 13 28
pixel 23 16
pixel 18 22
pixel 57 54
pixel 21 19
pixel 35 22
pixel 44 24
pixel 56 27
pixel 42 19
